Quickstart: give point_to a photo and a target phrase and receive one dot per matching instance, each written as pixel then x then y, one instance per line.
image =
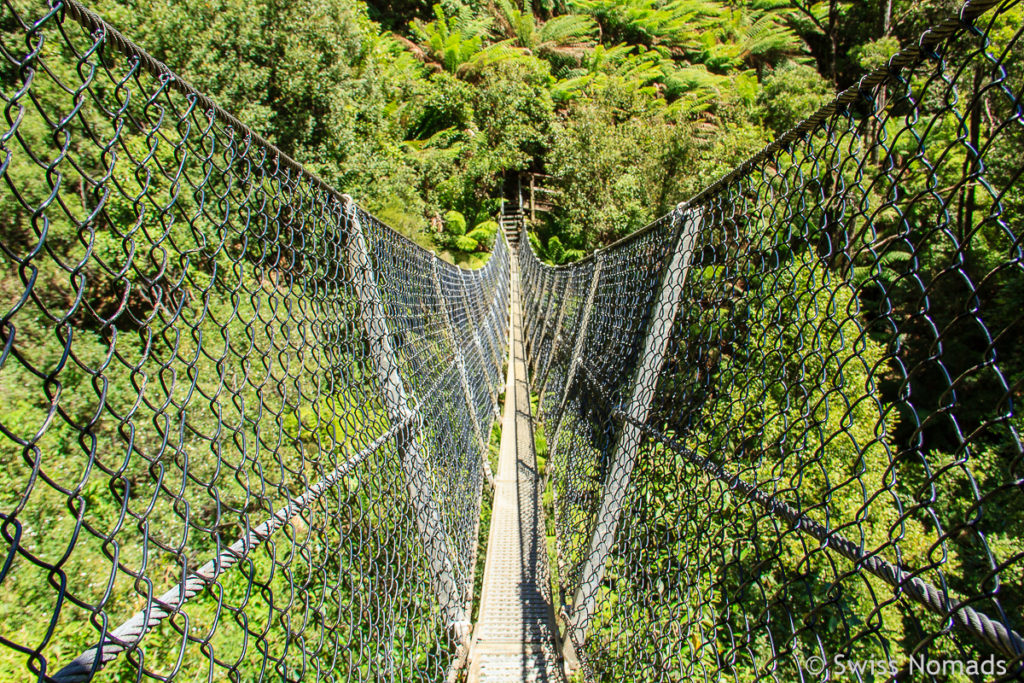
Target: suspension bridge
pixel 247 431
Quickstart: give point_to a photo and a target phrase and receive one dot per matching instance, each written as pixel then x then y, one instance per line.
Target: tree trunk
pixel 833 18
pixel 972 165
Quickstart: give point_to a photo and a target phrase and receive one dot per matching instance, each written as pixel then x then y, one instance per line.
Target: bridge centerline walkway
pixel 515 637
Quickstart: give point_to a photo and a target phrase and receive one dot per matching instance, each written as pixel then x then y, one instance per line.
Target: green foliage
pixel 874 54
pixel 562 39
pixel 451 42
pixel 677 24
pixel 454 223
pixel 455 237
pixel 433 117
pixel 484 234
pixel 505 87
pixel 535 242
pixel 555 250
pixel 464 243
pixel 790 94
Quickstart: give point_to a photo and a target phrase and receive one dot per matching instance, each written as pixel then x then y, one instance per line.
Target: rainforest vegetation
pixel 422 111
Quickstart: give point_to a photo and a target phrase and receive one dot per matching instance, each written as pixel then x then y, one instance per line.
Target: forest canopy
pixel 420 109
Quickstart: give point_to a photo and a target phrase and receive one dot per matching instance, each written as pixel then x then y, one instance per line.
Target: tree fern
pixel 883 267
pixel 630 66
pixel 767 37
pixel 562 39
pixel 492 54
pixel 677 24
pixel 450 42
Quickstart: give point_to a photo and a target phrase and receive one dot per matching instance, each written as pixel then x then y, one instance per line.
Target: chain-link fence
pixel 244 424
pixel 784 419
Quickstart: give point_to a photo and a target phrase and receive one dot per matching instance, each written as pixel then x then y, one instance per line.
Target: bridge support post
pixel 548 320
pixel 537 340
pixel 485 315
pixel 429 522
pixel 538 310
pixel 460 364
pixel 542 371
pixel 627 445
pixel 577 350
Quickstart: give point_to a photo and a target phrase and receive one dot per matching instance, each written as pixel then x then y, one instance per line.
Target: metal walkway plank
pixel 515 638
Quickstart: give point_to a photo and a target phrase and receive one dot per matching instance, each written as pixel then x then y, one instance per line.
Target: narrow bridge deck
pixel 515 636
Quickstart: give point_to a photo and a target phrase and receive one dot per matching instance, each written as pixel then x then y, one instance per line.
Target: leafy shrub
pixel 556 252
pixel 464 243
pixel 454 223
pixel 484 234
pixel 790 94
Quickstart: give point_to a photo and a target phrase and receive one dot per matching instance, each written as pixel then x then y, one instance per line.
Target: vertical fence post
pixel 537 292
pixel 577 349
pixel 542 371
pixel 627 445
pixel 460 365
pixel 543 310
pixel 548 320
pixel 484 321
pixel 429 522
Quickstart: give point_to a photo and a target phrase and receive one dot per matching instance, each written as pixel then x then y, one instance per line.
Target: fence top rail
pixel 964 19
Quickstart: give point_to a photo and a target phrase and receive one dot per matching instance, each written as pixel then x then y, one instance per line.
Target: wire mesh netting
pixel 783 419
pixel 244 422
